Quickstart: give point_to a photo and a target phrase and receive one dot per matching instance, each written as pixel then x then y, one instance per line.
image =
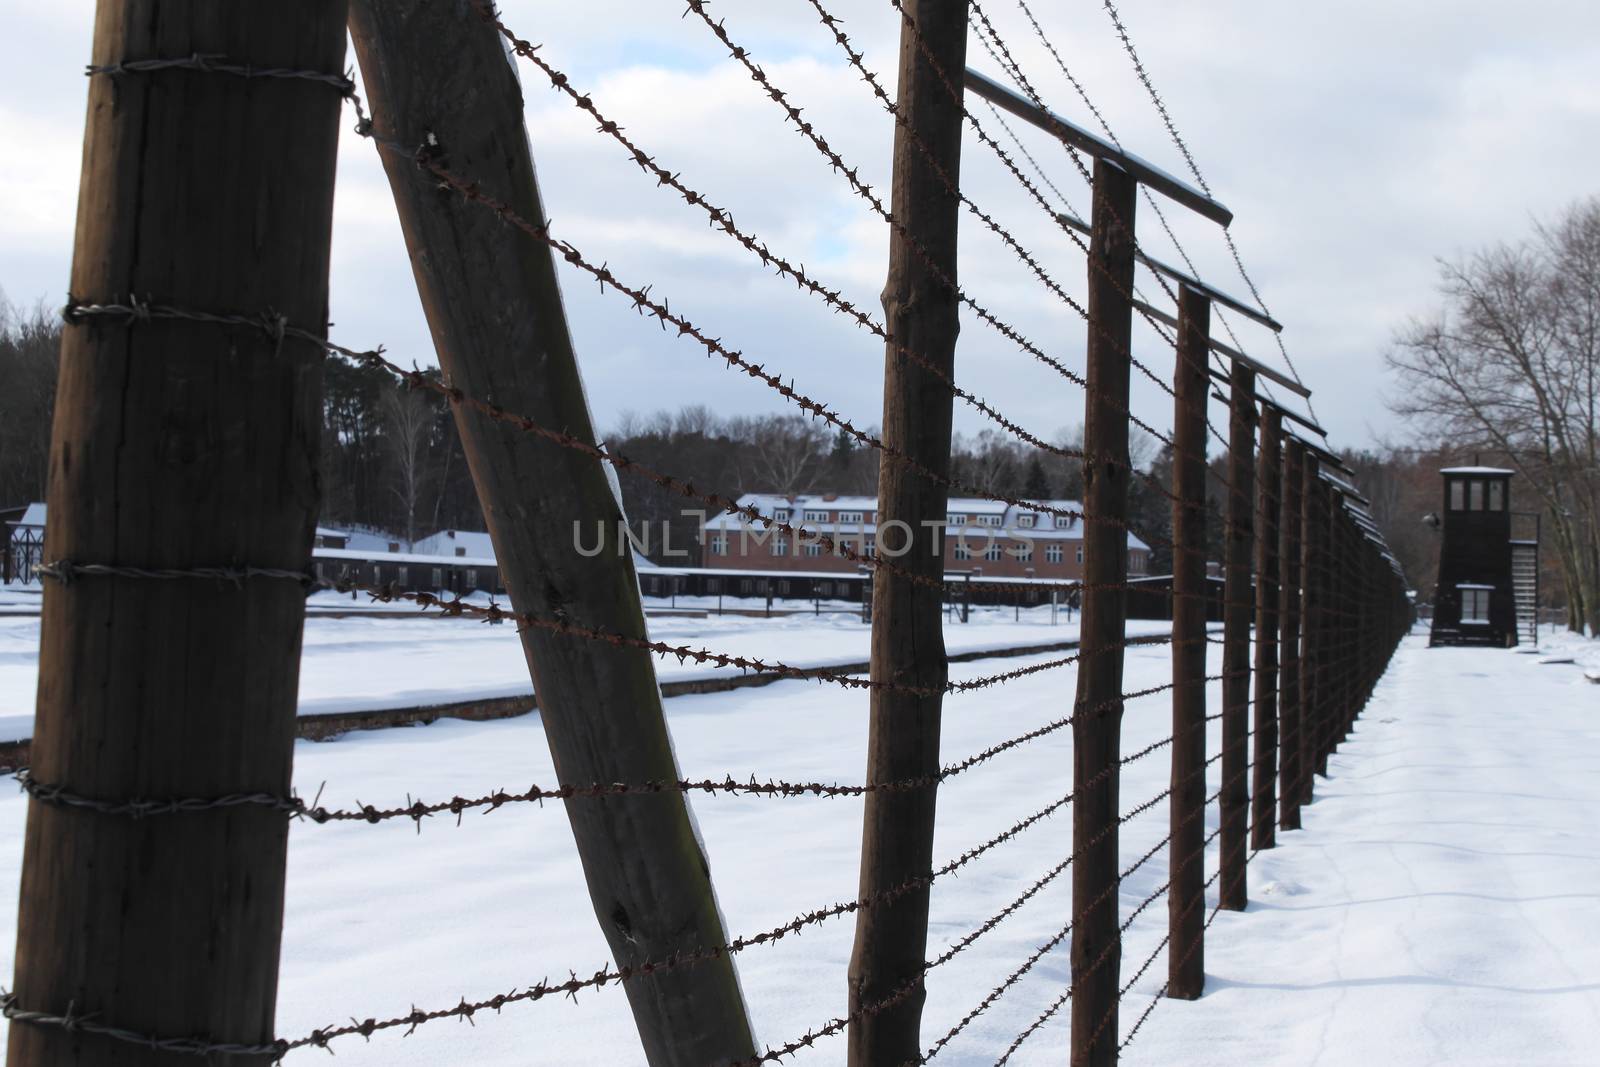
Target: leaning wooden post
pixel 1097 729
pixel 1263 825
pixel 1186 968
pixel 920 309
pixel 438 75
pixel 1289 712
pixel 1240 515
pixel 178 445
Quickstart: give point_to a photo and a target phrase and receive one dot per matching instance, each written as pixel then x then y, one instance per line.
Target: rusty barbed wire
pixel 66 572
pixel 74 1022
pixel 831 22
pixel 609 975
pixel 1060 935
pixel 911 984
pixel 1003 57
pixel 212 63
pixel 278 328
pixel 1127 923
pixel 1193 945
pixel 1009 63
pixel 1194 169
pixel 958 96
pixel 722 219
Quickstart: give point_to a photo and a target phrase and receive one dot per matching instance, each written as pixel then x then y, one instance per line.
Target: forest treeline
pixel 392 461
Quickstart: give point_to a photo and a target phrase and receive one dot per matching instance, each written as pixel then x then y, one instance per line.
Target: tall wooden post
pixel 178 445
pixel 1186 968
pixel 1289 643
pixel 1323 612
pixel 438 74
pixel 1335 667
pixel 920 310
pixel 1097 731
pixel 1312 574
pixel 1269 489
pixel 1240 537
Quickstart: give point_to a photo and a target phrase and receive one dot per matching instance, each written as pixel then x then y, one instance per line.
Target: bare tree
pixel 785 451
pixel 407 421
pixel 1511 363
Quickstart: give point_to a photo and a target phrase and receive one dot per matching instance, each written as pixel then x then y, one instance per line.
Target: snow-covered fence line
pixel 185 491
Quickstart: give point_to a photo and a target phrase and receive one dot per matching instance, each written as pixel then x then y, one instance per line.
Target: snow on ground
pixel 382 917
pixel 1442 905
pixel 350 664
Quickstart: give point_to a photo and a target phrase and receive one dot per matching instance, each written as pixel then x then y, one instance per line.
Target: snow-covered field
pixel 1440 907
pixel 351 664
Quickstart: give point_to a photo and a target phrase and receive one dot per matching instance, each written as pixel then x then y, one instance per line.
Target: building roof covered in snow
pixel 853 513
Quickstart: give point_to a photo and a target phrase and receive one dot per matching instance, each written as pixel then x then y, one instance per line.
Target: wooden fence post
pixel 1097 730
pixel 920 310
pixel 1269 490
pixel 1313 573
pixel 439 74
pixel 1289 710
pixel 1186 968
pixel 1235 799
pixel 1327 624
pixel 178 445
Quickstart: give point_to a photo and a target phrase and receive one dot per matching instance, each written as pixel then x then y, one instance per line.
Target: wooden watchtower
pixel 1476 600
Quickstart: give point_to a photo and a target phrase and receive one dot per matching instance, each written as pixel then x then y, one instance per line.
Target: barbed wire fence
pixel 1308 580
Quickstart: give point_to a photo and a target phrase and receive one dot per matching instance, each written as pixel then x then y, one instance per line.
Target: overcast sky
pixel 1355 142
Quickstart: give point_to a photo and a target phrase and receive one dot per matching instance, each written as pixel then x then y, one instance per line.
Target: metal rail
pixel 1145 172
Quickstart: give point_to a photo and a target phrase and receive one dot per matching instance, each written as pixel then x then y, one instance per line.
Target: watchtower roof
pixel 1476 470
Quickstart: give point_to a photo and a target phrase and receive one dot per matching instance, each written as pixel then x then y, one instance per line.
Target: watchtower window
pixel 1497 496
pixel 1474 605
pixel 1458 495
pixel 1475 495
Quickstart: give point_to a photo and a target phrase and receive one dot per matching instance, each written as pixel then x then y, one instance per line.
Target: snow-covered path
pixel 1442 905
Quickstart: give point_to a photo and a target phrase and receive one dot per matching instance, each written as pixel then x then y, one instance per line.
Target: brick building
pixel 982 536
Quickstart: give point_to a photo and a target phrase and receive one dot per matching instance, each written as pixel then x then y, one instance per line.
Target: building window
pixel 990 520
pixel 1024 552
pixel 1458 495
pixel 1080 553
pixel 403 575
pixel 816 516
pixel 1063 522
pixel 869 548
pixel 814 548
pixel 746 586
pixel 955 519
pixel 1497 496
pixel 780 546
pixel 782 514
pixel 460 551
pixel 1052 553
pixel 993 552
pixel 713 585
pixel 783 588
pixel 1027 521
pixel 1474 605
pixel 438 577
pixel 1475 495
pixel 962 551
pixel 1135 562
pixel 719 545
pixel 850 516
